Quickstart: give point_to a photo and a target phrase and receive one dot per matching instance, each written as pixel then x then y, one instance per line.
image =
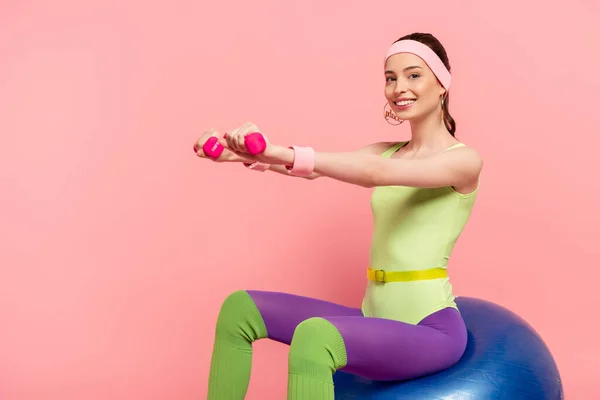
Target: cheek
pixel 389 91
pixel 427 92
pixel 421 88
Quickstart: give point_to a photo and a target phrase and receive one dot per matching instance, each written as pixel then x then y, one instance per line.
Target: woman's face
pixel 411 88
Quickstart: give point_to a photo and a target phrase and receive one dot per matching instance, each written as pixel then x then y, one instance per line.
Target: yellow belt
pixel 380 275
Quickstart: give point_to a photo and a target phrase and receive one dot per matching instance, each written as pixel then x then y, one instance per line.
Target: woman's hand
pixel 227 156
pixel 271 155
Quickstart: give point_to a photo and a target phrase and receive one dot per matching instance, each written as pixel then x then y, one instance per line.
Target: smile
pixel 404 104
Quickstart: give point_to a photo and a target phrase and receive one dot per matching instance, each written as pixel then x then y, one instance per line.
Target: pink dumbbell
pixel 255 144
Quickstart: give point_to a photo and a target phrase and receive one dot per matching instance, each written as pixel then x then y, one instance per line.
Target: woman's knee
pixel 239 317
pixel 316 340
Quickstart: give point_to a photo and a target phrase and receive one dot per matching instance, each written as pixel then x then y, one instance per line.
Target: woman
pixel 425 188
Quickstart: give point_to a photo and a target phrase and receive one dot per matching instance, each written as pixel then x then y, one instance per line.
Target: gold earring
pixel 389 114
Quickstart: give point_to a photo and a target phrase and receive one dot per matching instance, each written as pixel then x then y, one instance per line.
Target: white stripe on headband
pixel 426 54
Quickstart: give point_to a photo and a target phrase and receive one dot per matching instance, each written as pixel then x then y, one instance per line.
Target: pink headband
pixel 426 54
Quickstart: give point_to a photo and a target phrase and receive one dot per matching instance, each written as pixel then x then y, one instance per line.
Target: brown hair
pixel 434 44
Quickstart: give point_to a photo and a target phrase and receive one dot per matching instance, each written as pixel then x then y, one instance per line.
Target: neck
pixel 429 133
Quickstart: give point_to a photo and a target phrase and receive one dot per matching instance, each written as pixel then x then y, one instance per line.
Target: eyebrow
pixel 405 69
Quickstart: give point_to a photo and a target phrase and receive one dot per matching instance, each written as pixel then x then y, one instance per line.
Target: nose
pixel 399 88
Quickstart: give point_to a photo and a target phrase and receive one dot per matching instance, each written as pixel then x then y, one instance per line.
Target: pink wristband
pixel 304 161
pixel 258 166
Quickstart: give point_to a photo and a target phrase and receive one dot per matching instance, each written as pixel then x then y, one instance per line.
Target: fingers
pixel 236 138
pixel 198 146
pixel 234 143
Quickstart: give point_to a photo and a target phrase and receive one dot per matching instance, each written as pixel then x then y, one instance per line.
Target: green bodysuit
pixel 414 229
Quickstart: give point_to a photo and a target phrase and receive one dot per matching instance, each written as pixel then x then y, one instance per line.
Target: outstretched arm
pixel 373 149
pixel 458 167
pixel 281 169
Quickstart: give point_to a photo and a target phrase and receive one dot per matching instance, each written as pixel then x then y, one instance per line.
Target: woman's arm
pixel 373 148
pixel 281 169
pixel 458 167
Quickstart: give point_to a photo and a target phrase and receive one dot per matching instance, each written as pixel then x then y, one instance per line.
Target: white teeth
pixel 404 103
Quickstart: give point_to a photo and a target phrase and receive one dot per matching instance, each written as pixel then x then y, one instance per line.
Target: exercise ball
pixel 505 359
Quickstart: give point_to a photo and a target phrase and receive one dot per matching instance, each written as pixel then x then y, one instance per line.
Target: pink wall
pixel 118 245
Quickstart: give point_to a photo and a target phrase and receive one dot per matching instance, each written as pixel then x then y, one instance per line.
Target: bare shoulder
pixel 376 148
pixel 466 164
pixel 468 156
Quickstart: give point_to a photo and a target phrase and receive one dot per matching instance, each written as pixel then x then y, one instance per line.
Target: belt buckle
pixel 380 276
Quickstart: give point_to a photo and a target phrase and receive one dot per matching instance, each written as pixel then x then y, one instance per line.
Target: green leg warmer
pixel 316 352
pixel 238 325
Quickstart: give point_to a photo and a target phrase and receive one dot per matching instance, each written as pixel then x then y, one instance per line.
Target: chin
pixel 405 116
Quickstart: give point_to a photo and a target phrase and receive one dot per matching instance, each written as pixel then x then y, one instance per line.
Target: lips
pixel 405 104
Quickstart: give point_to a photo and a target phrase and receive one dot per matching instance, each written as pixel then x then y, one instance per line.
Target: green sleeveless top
pixel 414 229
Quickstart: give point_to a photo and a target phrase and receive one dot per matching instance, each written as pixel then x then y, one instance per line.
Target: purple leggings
pixel 376 348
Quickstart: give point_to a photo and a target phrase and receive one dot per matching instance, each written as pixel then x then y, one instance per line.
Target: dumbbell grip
pixel 255 144
pixel 212 148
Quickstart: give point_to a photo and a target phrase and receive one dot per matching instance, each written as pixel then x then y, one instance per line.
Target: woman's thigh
pixel 383 349
pixel 282 312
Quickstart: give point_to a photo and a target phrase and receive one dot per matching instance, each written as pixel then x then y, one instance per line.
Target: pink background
pixel 118 244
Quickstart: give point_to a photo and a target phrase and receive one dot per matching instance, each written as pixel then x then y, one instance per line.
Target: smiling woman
pixel 425 188
pixel 433 63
